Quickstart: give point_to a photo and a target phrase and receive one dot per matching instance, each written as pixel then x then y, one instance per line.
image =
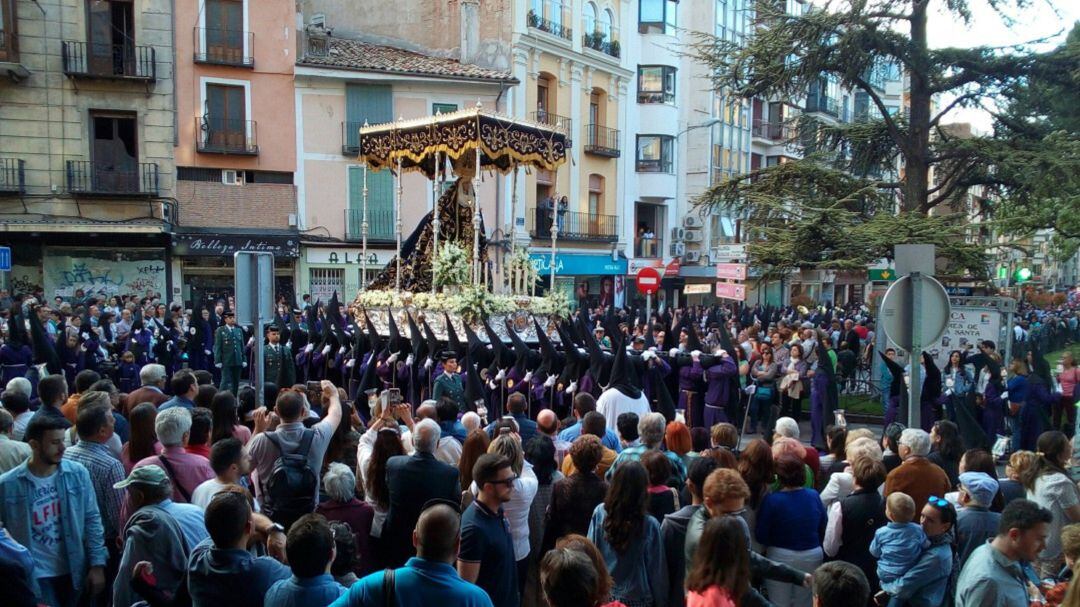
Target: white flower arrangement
pixel 556 303
pixel 376 299
pixel 471 302
pixel 451 266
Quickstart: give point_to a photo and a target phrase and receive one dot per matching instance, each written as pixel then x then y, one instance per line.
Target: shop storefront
pixel 592 278
pixel 99 272
pixel 204 262
pixel 326 268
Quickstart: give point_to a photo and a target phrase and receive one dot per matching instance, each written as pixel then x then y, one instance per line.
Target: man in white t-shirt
pixel 230 465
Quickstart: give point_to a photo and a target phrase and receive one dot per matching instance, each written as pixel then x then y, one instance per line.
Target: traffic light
pixel 1022 275
pixel 1003 272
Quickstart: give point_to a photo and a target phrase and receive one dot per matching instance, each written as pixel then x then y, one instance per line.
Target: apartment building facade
pixel 87 125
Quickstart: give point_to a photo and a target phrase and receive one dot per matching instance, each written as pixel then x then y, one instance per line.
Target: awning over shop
pixel 578 264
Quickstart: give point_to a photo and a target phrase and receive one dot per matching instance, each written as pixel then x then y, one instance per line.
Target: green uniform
pixel 229 353
pixel 278 359
pixel 452 387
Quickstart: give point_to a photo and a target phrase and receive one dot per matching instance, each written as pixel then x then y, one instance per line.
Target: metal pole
pixel 435 217
pixel 648 311
pixel 476 212
pixel 554 241
pixel 513 214
pixel 915 389
pixel 364 233
pixel 397 213
pixel 1010 319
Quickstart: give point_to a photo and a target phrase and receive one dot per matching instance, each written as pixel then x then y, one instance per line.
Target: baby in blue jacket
pixel 898 545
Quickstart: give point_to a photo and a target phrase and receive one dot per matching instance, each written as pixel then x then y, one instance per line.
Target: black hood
pixel 624 377
pixel 452 339
pixel 551 361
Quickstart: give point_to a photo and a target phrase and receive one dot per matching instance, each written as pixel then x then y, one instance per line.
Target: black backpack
pixel 290 490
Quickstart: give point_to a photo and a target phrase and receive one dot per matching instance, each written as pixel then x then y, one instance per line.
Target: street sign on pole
pixel 728 252
pixel 254 275
pixel 914 312
pixel 5 259
pixel 731 271
pixel 731 290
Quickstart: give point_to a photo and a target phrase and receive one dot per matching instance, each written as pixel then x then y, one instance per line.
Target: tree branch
pixel 960 99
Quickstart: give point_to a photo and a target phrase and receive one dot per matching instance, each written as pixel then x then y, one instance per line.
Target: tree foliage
pixel 846 203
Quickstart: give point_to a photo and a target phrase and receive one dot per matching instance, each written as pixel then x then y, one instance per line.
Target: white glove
pixel 244 365
pixel 695 354
pixel 492 385
pixel 137 331
pixel 948 392
pixel 218 365
pixel 672 352
pixel 409 360
pixel 428 363
pixel 501 375
pixel 350 363
pixel 648 355
pixel 86 336
pixel 251 340
pixel 1005 395
pixel 571 388
pixel 308 348
pixel 341 350
pixel 325 350
pixel 652 349
pixel 528 377
pixel 288 344
pixel 550 381
pixel 724 354
pixel 392 358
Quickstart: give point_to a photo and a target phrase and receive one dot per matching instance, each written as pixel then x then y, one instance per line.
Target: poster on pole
pixel 967 327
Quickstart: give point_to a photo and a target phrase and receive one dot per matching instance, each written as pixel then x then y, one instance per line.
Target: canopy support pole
pixel 364 233
pixel 435 218
pixel 397 217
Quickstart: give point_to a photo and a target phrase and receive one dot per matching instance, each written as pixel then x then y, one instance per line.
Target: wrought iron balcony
pixel 602 141
pixel 109 61
pixel 573 225
pixel 224 47
pixel 12 176
pixel 381 224
pixel 112 178
pixel 822 104
pixel 562 123
pixel 601 41
pixel 774 131
pixel 220 136
pixel 554 27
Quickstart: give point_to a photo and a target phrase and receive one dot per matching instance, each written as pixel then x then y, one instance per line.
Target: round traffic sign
pixel 648 281
pixel 898 318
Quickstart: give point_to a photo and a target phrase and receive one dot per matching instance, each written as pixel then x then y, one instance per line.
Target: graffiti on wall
pixel 66 275
pixel 24 279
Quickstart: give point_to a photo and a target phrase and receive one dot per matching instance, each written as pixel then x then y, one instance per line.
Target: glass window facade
pixel 657 16
pixel 655 153
pixel 656 84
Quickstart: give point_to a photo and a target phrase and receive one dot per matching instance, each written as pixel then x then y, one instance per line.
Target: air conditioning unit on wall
pixel 232 177
pixel 692 257
pixel 678 233
pixel 694 236
pixel 693 221
pixel 678 249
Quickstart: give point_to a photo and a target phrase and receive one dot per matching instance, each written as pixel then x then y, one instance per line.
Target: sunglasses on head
pixel 937 501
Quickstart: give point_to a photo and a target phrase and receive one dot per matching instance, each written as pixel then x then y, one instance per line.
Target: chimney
pixel 470 30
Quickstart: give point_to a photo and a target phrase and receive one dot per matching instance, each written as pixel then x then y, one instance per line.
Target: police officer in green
pixel 450 384
pixel 229 352
pixel 278 364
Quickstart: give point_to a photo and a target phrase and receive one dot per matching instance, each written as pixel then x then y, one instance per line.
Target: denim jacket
pixel 82 529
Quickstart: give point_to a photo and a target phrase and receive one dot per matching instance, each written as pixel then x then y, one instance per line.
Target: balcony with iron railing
pixel 822 104
pixel 109 61
pixel 381 224
pixel 648 247
pixel 774 131
pixel 560 123
pixel 224 47
pixel 602 141
pixel 601 37
pixel 112 178
pixel 222 136
pixel 12 176
pixel 589 227
pixel 551 19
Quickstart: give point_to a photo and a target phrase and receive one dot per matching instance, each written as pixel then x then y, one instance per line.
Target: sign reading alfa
pixel 211 245
pixel 731 271
pixel 731 290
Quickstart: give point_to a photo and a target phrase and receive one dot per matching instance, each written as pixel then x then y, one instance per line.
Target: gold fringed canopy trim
pixel 503 142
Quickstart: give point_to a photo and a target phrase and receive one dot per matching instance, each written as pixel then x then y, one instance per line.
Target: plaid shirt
pixel 633 454
pixel 105 471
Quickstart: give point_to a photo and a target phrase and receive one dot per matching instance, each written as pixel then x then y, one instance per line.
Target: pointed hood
pixel 725 340
pixel 624 377
pixel 932 382
pixel 503 356
pixel 374 340
pixel 599 364
pixel 692 340
pixel 476 350
pixel 397 343
pixel 551 362
pixel 524 360
pixel 44 352
pixel 417 345
pixel 452 339
pixel 474 388
pixel 1040 368
pixel 313 336
pixel 431 342
pixel 17 336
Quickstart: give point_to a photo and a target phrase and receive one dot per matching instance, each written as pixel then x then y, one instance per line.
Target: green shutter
pixel 380 203
pixel 375 105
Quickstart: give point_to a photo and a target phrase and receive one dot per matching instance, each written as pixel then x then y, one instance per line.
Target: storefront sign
pixel 573 264
pixel 346 256
pixel 731 290
pixel 703 289
pixel 213 245
pixel 634 266
pixel 672 269
pixel 731 271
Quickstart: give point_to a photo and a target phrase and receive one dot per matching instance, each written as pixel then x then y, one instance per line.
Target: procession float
pixel 442 273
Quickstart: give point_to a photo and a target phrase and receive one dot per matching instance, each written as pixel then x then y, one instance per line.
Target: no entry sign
pixel 648 281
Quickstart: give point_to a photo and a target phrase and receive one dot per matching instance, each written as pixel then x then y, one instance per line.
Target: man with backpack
pixel 287 459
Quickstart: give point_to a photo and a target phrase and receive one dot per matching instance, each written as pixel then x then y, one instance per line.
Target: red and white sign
pixel 633 266
pixel 731 290
pixel 648 281
pixel 731 271
pixel 672 269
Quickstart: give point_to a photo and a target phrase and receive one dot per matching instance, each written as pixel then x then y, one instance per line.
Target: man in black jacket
pixel 413 480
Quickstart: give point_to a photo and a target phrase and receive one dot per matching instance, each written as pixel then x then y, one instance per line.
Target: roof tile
pixel 358 55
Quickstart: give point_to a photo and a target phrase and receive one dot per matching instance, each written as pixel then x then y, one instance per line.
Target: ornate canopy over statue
pixel 504 143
